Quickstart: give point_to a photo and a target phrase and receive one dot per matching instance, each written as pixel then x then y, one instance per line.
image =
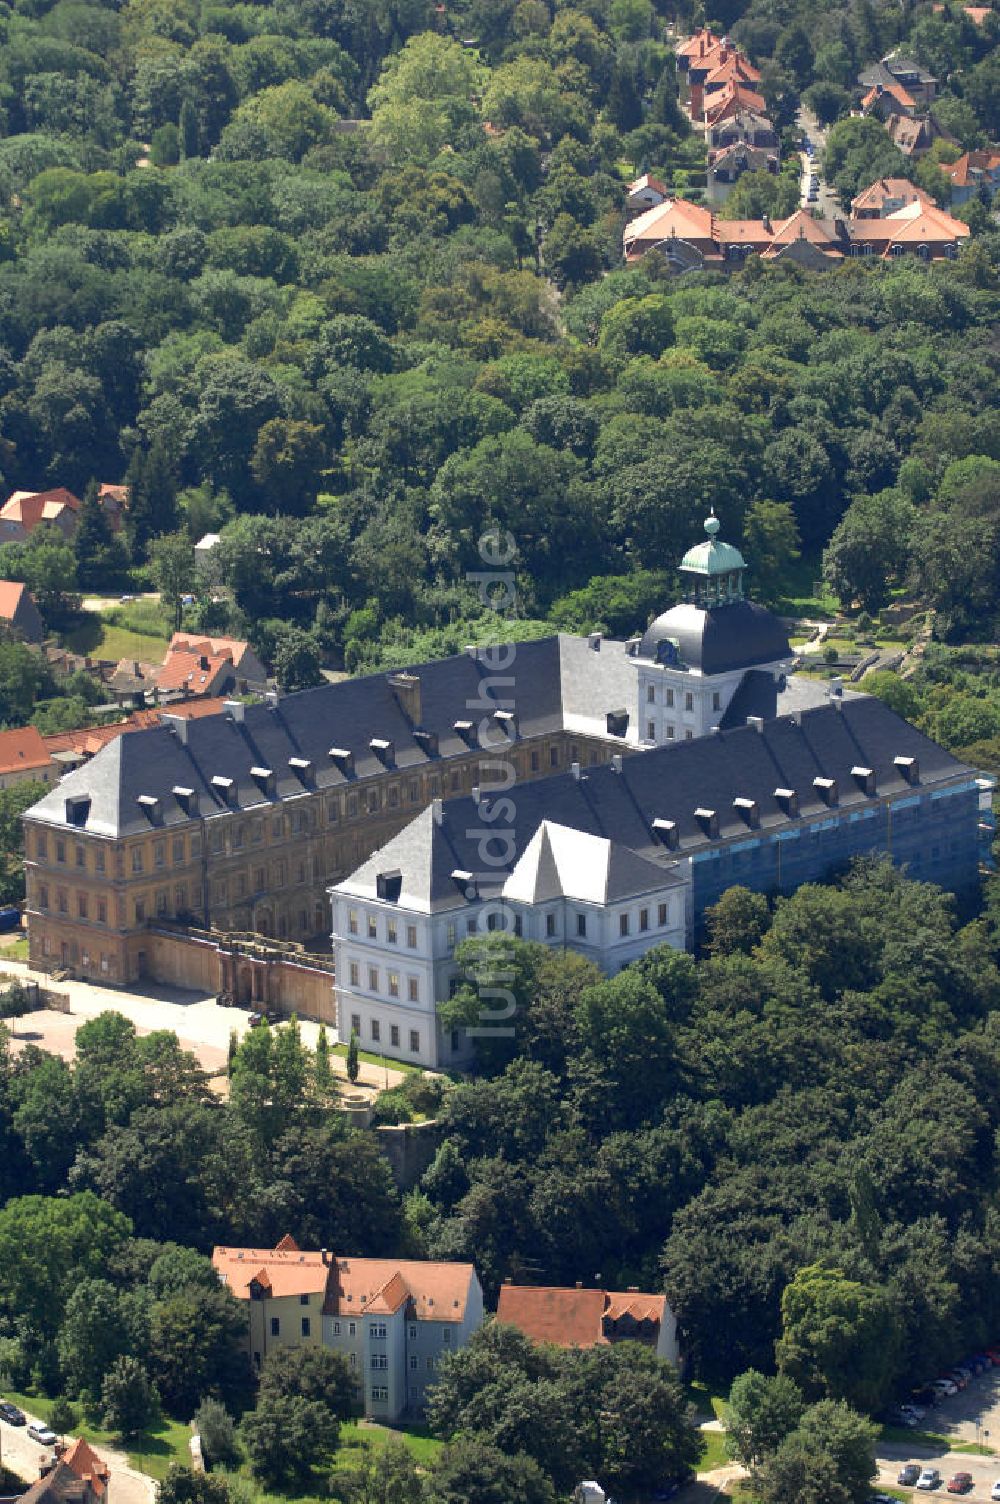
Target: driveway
pixel 24 1457
pixel 200 1024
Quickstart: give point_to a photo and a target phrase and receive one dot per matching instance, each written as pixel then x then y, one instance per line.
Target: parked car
pixel 42 1434
pixel 669 1488
pixel 881 1499
pixel 959 1377
pixel 909 1474
pixel 945 1386
pixel 960 1484
pixel 908 1408
pixel 11 1414
pixel 995 1490
pixel 929 1478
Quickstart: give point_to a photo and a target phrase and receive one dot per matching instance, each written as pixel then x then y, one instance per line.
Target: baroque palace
pixel 252 820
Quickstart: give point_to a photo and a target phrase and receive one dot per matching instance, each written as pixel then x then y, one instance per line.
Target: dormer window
pixel 708 820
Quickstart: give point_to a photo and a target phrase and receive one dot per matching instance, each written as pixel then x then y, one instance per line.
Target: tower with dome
pixel 693 659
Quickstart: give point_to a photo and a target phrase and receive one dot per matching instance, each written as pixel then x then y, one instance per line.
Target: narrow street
pixel 827 204
pixel 24 1457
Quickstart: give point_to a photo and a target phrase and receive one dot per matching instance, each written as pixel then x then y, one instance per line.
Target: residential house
pixel 69 749
pixel 883 100
pixel 24 758
pixel 24 511
pixel 694 47
pixel 915 135
pixel 729 101
pixel 974 172
pixel 886 196
pixel 203 551
pixel 245 674
pixel 18 610
pixel 392 1319
pixel 748 126
pixel 114 502
pixel 590 1318
pixel 727 166
pixel 75 1476
pixel 132 681
pixel 644 193
pixel 918 84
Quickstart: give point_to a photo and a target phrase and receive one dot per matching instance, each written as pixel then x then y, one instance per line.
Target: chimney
pixel 303 770
pixel 574 768
pixel 235 709
pixel 343 758
pixel 406 688
pixel 271 699
pixel 757 722
pixel 594 641
pixel 616 762
pixel 836 690
pixel 179 725
pixel 437 811
pixel 186 798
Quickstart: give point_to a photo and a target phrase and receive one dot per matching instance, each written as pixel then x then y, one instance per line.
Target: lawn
pixel 381 1060
pixel 932 1439
pixel 355 1437
pixel 708 1405
pixel 16 951
pixel 151 1453
pixel 96 638
pixel 715 1454
pixel 800 597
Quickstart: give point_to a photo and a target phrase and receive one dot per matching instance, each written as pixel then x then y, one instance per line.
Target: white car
pixel 995 1490
pixel 42 1434
pixel 917 1411
pixel 929 1478
pixel 945 1386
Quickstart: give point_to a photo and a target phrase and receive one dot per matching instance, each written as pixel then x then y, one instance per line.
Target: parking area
pixel 971 1416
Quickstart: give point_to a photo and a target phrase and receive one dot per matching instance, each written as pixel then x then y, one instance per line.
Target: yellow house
pixel 284 1289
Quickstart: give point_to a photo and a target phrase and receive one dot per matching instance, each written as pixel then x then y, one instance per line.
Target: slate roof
pixel 557 680
pixel 562 863
pixel 676 781
pixel 738 635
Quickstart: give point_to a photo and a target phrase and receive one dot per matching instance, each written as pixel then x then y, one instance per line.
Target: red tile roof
pixel 437 1291
pixel 90 739
pixel 82 1460
pixel 195 673
pixel 29 508
pixel 279 1271
pixel 876 195
pixel 11 592
pixel 902 96
pixel 573 1318
pixel 22 749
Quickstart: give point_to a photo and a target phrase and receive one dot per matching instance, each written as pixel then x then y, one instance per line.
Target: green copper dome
pixel 713 557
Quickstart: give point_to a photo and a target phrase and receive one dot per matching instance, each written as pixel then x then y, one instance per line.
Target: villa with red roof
pixel 590 1318
pixel 971 172
pixel 393 1319
pixel 209 666
pixel 18 610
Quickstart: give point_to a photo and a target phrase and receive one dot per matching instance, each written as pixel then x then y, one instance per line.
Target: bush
pixel 14 1001
pixel 215 1426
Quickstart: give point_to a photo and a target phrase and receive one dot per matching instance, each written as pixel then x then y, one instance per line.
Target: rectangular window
pixel 393 796
pixel 689 736
pixel 430 1365
pixel 650 694
pixel 644 919
pixel 257 832
pixel 380 1361
pixel 81 857
pixel 414 1363
pixel 62 901
pixel 99 859
pixel 411 936
pixel 336 1328
pixel 332 811
pixel 352 806
pixel 237 837
pixel 159 853
pixel 394 984
pixel 81 905
pixel 550 925
pixel 553 757
pixel 352 921
pixel 376 1030
pixel 446 1336
pixel 178 850
pixel 373 978
pixel 277 825
pixel 102 911
pixel 661 915
pixel 354 1356
pixel 414 1042
pixel 689 701
pixel 372 927
pixel 413 1334
pixel 161 902
pixel 394 1036
pixel 380 1393
pixel 356 1022
pixel 391 931
pixel 61 852
pixel 376 1331
pixel 136 858
pixel 355 974
pixel 306 1326
pixel 352 1329
pixel 43 897
pixel 581 925
pixel 670 733
pixel 42 846
pixel 450 936
pixel 275 1326
pixel 651 731
pixel 414 791
pixel 716 701
pixel 412 990
pixel 669 698
pixel 623 924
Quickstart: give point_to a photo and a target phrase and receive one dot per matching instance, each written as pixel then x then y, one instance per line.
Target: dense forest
pixel 339 282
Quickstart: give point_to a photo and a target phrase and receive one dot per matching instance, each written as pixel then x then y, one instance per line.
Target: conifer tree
pixel 353 1062
pixel 623 107
pixel 100 559
pixel 153 497
pixel 189 131
pixel 322 1074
